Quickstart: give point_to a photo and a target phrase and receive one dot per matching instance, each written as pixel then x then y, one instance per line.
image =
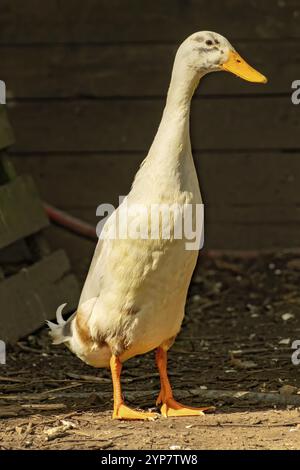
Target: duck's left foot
pixel 126 413
pixel 171 407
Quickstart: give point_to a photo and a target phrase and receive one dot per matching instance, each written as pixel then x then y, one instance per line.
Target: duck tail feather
pixel 60 332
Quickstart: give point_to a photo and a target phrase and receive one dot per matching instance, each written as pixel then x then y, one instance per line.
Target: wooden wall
pixel 87 82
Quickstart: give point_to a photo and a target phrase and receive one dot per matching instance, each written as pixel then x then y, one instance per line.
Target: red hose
pixel 71 223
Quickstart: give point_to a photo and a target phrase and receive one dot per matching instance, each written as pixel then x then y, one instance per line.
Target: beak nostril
pixel 238 60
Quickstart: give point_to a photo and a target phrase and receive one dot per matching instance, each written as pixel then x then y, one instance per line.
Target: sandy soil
pixel 236 337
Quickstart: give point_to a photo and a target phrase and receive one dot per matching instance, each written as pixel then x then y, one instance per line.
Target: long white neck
pixel 174 130
pixel 169 165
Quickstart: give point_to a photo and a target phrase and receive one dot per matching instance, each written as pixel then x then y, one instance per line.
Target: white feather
pixel 59 316
pixel 56 329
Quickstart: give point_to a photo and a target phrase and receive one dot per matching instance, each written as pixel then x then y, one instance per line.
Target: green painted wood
pixel 33 295
pixel 21 212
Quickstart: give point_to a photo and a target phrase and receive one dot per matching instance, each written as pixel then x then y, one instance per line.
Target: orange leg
pixel 122 411
pixel 171 407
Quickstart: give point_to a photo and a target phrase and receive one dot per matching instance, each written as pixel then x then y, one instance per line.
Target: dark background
pixel 87 82
pixel 86 87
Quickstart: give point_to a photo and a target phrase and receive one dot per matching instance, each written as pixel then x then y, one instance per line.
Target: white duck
pixel 134 296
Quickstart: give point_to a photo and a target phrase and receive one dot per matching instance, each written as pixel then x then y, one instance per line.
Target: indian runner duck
pixel 134 295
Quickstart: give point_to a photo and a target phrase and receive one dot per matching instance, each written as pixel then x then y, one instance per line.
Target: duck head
pixel 207 51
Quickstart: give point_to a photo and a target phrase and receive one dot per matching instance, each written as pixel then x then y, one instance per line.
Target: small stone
pixel 294 264
pixel 287 316
pixel 288 390
pixel 284 341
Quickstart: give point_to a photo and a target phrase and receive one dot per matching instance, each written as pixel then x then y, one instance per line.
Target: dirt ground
pixel 242 317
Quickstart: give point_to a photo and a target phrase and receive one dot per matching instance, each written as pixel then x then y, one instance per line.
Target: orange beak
pixel 238 66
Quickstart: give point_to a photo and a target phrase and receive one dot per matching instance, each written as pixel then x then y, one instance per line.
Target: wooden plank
pixel 251 200
pixel 237 123
pixel 225 215
pixel 78 249
pixel 102 71
pixel 132 20
pixel 225 235
pixel 7 171
pixel 21 212
pixel 251 236
pixel 240 179
pixel 6 133
pixel 40 289
pixel 15 254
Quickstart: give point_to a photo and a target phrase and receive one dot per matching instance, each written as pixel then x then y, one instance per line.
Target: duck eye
pixel 209 42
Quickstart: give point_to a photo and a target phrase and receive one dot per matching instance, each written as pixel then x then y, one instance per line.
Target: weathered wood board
pixel 86 87
pixel 224 235
pixel 6 133
pixel 238 123
pixel 33 295
pixel 65 71
pixel 238 179
pixel 256 195
pixel 111 21
pixel 21 211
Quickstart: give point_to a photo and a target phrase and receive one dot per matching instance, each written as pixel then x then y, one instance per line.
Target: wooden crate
pixel 33 281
